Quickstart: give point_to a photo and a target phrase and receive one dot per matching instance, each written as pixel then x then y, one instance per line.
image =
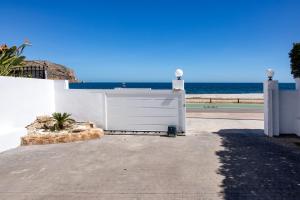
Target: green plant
pixel 61 120
pixel 295 60
pixel 11 57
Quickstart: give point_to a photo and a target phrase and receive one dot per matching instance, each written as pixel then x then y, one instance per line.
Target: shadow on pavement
pixel 254 167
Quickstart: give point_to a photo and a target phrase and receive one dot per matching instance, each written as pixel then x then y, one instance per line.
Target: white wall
pixel 124 109
pixel 288 102
pixel 84 105
pixel 21 100
pixel 282 110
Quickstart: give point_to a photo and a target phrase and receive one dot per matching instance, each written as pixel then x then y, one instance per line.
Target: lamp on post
pixel 270 74
pixel 179 83
pixel 271 105
pixel 178 74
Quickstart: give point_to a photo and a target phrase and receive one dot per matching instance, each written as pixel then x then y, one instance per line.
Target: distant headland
pixel 54 71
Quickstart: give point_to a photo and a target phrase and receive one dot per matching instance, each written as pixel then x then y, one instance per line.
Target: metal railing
pixel 39 72
pixel 225 100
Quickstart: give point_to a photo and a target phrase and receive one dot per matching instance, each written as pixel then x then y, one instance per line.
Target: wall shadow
pixel 254 167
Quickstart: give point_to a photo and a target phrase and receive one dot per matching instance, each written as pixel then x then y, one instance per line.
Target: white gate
pixel 145 110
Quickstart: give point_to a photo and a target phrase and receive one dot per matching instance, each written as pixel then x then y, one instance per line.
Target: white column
pixel 271 108
pixel 297 109
pixel 178 87
pixel 181 112
pixel 297 81
pixel 178 84
pixel 105 110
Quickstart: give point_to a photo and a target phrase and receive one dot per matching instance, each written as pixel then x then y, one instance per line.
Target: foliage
pixel 295 60
pixel 10 57
pixel 61 120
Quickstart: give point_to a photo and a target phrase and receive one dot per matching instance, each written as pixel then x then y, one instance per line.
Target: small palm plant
pixel 61 120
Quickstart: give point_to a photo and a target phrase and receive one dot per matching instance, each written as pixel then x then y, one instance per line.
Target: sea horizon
pixel 190 87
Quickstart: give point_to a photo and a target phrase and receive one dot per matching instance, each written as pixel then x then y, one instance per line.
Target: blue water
pixel 191 88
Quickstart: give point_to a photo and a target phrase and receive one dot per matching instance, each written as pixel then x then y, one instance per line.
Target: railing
pixel 30 72
pixel 225 100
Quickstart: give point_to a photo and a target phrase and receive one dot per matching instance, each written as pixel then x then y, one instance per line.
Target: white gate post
pixel 178 87
pixel 181 111
pixel 105 110
pixel 271 108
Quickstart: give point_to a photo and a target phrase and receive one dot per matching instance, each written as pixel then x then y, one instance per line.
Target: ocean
pixel 191 88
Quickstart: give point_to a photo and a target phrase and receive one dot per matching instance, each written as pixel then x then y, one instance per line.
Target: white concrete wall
pixel 282 110
pixel 288 102
pixel 84 105
pixel 124 109
pixel 21 100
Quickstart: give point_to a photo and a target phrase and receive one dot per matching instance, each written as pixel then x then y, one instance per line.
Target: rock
pixel 85 135
pixel 92 125
pixel 43 119
pixel 39 133
pixel 79 129
pixel 70 124
pixel 41 122
pixel 96 132
pixel 93 133
pixel 54 71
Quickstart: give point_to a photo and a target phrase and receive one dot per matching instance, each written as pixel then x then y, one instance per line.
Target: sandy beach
pixel 227 96
pixel 254 98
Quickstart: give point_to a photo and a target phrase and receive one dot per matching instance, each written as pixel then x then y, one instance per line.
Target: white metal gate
pixel 145 110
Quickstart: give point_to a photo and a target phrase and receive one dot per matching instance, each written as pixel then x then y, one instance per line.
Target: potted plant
pixel 295 63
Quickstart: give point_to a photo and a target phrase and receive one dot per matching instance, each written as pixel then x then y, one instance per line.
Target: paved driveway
pixel 228 163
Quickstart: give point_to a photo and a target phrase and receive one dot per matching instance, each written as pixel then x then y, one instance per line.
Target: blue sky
pixel 212 41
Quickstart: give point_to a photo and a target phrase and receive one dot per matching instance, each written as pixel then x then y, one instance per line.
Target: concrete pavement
pixel 114 167
pixel 222 157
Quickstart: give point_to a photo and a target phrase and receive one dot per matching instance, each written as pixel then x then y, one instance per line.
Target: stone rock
pixel 92 125
pixel 41 123
pixel 44 118
pixel 93 133
pixel 80 129
pixel 96 133
pixel 39 133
